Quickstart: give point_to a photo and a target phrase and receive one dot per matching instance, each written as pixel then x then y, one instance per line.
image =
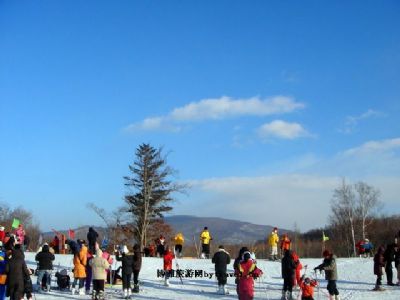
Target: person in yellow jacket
pixel 179 240
pixel 205 238
pixel 273 241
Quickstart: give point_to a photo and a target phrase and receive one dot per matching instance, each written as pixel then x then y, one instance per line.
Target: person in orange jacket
pixel 80 261
pixel 307 288
pixel 285 243
pixel 168 257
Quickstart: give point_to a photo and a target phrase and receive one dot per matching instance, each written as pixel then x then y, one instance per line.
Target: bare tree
pixel 367 203
pixel 343 207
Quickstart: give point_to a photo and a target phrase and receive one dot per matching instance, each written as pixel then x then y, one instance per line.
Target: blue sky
pixel 263 106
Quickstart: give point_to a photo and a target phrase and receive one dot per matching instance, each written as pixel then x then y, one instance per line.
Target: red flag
pixel 71 234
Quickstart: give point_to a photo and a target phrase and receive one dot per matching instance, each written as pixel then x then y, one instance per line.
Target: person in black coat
pixel 92 237
pixel 137 265
pixel 45 264
pixel 288 274
pixel 126 259
pixel 388 256
pixel 221 259
pixel 16 270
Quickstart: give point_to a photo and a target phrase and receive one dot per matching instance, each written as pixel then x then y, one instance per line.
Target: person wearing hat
pixel 205 238
pixel 273 241
pixel 221 259
pixel 80 261
pixel 330 268
pixel 126 259
pixel 246 273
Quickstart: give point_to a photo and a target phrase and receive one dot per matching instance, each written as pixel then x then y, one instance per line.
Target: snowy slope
pixel 356 281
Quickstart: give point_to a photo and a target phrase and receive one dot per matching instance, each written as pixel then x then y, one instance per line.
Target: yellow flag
pixel 324 237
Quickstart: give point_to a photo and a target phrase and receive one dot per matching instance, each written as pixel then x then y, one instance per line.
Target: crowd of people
pixel 92 266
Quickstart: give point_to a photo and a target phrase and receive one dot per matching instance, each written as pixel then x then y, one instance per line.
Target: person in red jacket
pixel 299 266
pixel 246 273
pixel 307 288
pixel 2 234
pixel 285 244
pixel 168 257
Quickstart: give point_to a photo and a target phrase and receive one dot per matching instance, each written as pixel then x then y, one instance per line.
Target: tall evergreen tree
pixel 149 189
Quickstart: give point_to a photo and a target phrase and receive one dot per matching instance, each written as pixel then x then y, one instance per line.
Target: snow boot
pixel 101 296
pixel 73 291
pixel 125 293
pixel 94 295
pixel 166 283
pixel 82 292
pixel 337 297
pixel 284 295
pixel 129 293
pixel 135 288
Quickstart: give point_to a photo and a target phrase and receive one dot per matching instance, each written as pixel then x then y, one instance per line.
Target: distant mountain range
pixel 223 231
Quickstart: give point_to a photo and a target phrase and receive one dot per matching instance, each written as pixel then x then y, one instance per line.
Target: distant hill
pixel 224 231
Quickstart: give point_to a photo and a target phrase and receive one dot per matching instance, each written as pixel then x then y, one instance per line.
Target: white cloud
pixel 282 129
pixel 373 147
pixel 218 109
pixel 262 200
pixel 352 122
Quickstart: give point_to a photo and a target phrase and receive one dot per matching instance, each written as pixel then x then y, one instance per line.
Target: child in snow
pixel 329 266
pixel 307 288
pixel 288 274
pixel 379 264
pixel 168 257
pixel 99 266
pixel 246 273
pixel 236 265
pixel 126 258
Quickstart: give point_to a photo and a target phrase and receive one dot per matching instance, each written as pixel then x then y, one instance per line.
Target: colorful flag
pixel 15 223
pixel 104 243
pixel 324 237
pixel 71 234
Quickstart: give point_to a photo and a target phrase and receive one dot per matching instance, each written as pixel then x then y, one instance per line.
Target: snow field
pixel 356 280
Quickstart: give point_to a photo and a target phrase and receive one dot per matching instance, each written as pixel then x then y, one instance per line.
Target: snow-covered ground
pixel 356 280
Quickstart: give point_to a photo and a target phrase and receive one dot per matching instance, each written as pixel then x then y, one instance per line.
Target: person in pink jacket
pixel 20 234
pixel 246 273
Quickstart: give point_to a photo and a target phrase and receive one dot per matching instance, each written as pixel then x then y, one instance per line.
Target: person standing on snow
pixel 205 238
pixel 2 234
pixel 45 265
pixel 389 259
pixel 99 266
pixel 329 266
pixel 179 240
pixel 273 241
pixel 168 257
pixel 92 238
pixel 221 259
pixel 246 273
pixel 80 261
pixel 288 274
pixel 137 265
pixel 126 259
pixel 16 269
pixel 379 264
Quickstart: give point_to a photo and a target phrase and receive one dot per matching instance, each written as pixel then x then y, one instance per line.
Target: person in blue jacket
pixel 2 272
